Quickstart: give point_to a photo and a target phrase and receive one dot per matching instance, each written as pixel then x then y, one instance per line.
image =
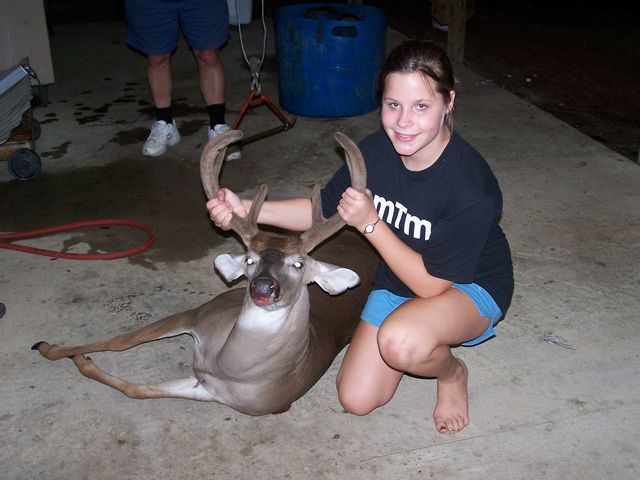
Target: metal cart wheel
pixel 25 164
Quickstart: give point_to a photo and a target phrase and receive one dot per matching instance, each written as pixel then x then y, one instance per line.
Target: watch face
pixel 369 228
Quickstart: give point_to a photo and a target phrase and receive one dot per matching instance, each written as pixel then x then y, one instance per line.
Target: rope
pixel 76 226
pixel 255 70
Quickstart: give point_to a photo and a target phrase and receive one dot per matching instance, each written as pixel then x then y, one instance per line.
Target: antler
pixel 211 162
pixel 322 228
pixel 247 228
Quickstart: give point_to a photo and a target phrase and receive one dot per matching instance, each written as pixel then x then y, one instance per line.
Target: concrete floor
pixel 538 410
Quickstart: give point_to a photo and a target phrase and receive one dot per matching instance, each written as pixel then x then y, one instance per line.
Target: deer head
pixel 277 265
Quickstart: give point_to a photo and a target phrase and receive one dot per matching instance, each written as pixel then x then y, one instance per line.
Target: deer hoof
pixel 36 346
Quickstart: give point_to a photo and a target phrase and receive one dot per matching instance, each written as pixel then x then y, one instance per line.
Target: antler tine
pixel 322 228
pixel 212 159
pixel 247 227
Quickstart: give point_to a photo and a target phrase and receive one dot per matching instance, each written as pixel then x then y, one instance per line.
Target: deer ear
pixel 230 266
pixel 335 280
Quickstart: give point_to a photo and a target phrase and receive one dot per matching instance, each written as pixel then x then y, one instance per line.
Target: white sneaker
pixel 219 129
pixel 162 135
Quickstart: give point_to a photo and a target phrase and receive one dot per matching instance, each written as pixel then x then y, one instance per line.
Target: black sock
pixel 165 114
pixel 216 114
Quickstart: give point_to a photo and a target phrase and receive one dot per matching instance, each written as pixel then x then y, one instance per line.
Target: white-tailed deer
pixel 261 347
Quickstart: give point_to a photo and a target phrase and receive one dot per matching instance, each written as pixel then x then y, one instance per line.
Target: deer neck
pixel 267 341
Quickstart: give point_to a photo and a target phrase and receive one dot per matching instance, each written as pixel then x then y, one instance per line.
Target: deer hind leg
pixel 187 388
pixel 167 327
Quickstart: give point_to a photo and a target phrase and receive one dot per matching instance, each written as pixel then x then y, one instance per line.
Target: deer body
pixel 261 347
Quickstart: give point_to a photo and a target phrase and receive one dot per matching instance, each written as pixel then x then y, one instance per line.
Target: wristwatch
pixel 370 227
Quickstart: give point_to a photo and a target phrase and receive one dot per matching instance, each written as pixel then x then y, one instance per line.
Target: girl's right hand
pixel 222 207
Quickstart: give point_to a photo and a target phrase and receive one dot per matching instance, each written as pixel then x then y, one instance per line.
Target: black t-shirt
pixel 448 212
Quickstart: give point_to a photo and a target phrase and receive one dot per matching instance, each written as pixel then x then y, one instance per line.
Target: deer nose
pixel 265 290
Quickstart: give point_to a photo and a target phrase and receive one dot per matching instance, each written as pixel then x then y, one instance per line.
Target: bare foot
pixel 452 408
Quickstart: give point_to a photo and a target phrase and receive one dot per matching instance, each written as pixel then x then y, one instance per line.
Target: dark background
pixel 578 60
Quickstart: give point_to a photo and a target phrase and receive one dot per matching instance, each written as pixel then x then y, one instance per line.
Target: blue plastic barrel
pixel 329 57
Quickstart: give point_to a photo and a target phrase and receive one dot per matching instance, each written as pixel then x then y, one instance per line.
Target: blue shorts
pixel 382 302
pixel 153 26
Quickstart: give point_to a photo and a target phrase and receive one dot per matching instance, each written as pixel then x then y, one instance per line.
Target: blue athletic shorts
pixel 382 302
pixel 153 26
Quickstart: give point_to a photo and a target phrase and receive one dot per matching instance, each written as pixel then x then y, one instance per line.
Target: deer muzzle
pixel 264 291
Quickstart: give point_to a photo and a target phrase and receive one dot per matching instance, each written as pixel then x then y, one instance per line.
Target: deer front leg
pixel 167 327
pixel 187 388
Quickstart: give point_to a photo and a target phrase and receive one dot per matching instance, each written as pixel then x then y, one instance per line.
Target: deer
pixel 262 344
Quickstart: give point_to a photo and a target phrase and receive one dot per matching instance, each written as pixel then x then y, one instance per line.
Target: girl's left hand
pixel 357 209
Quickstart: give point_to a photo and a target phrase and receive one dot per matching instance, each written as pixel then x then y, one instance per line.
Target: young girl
pixel 431 210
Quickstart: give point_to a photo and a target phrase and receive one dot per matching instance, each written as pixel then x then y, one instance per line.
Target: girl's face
pixel 413 117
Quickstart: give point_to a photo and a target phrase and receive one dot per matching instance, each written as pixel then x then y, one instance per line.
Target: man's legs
pixel 153 27
pixel 163 132
pixel 160 81
pixel 212 86
pixel 205 24
pixel 210 76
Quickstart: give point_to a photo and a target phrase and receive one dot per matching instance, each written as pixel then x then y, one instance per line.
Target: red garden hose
pixel 75 226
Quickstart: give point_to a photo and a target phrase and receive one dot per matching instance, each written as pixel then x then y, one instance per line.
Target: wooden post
pixel 457 27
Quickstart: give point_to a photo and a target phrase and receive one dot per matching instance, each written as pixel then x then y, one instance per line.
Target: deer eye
pixel 249 261
pixel 298 264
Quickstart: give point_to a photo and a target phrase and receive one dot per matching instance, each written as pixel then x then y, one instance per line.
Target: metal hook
pixel 255 65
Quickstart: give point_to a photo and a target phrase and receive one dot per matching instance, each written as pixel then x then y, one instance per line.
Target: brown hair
pixel 426 58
